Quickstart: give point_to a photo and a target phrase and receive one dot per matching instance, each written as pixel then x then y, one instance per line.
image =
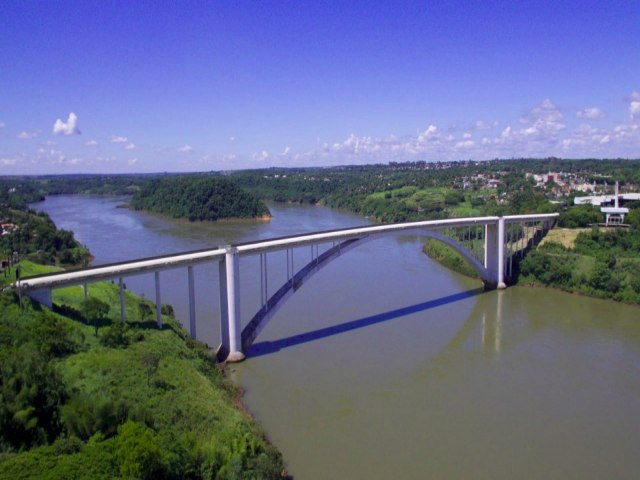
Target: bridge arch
pixel 295 282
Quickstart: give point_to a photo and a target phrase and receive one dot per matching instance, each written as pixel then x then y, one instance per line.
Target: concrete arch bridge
pixel 488 244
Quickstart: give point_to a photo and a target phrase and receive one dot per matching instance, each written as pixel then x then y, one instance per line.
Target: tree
pixel 144 310
pixel 151 361
pixel 139 453
pixel 32 392
pixel 95 311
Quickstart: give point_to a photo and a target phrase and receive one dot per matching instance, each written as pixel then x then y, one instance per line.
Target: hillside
pixel 87 397
pixel 198 198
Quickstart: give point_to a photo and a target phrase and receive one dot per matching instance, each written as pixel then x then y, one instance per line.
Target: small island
pixel 198 198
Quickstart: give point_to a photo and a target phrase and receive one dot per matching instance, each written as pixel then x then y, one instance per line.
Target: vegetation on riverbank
pixel 448 257
pixel 83 395
pixel 82 399
pixel 198 198
pixel 601 263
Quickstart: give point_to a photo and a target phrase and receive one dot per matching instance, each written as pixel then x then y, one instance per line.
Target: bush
pixel 579 216
pixel 116 335
pixel 84 416
pixel 32 393
pixel 138 452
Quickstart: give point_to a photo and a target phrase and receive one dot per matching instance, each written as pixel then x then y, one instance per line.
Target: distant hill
pixel 198 198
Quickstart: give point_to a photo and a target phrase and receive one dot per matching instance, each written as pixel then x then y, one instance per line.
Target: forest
pixel 198 198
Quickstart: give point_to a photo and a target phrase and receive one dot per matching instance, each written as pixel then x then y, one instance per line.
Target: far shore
pixel 238 220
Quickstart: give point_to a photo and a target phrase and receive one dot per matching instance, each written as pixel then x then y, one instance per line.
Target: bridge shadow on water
pixel 265 348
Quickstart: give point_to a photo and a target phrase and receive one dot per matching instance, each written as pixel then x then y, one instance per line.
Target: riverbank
pixel 600 263
pixel 133 400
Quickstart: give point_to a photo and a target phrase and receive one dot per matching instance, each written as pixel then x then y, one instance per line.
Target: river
pixel 386 365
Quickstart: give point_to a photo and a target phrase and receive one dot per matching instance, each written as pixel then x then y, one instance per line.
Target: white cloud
pixel 186 149
pixel 119 139
pixel 132 161
pixel 232 139
pixel 591 113
pixel 70 127
pixel 2 124
pixel 634 110
pixel 131 146
pixel 285 152
pixel 8 161
pixel 544 118
pixel 430 134
pixel 27 135
pixel 91 143
pixel 465 145
pixel 481 125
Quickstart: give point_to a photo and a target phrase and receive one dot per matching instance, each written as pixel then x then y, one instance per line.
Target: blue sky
pixel 148 86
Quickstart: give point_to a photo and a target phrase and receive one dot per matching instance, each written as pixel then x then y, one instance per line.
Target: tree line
pixel 198 198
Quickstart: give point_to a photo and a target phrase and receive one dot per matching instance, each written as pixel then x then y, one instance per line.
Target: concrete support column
pixel 501 241
pixel 158 301
pixel 192 303
pixel 230 307
pixel 494 252
pixel 491 252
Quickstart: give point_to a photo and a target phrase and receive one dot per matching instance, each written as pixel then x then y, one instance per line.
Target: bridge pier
pixel 494 239
pixel 230 328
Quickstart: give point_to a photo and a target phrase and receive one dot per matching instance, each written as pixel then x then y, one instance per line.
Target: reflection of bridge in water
pixel 488 244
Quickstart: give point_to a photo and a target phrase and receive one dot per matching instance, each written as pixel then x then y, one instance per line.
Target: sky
pixel 152 86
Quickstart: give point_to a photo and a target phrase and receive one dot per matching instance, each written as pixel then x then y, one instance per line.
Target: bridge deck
pixel 164 262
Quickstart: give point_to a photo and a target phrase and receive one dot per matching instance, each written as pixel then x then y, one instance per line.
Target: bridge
pixel 489 244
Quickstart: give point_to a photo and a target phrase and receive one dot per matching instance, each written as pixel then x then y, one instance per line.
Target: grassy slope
pixel 448 257
pixel 186 401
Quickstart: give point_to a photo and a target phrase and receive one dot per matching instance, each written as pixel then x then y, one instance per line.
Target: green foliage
pixel 167 310
pixel 115 336
pixel 163 386
pixel 447 256
pixel 37 239
pixel 603 264
pixel 32 392
pixel 138 452
pixel 85 415
pixel 579 216
pixel 198 198
pixel 151 362
pixel 633 218
pixel 144 310
pixel 453 197
pixel 95 311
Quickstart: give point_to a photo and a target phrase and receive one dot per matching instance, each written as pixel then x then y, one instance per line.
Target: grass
pixel 27 269
pixel 448 257
pixel 564 236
